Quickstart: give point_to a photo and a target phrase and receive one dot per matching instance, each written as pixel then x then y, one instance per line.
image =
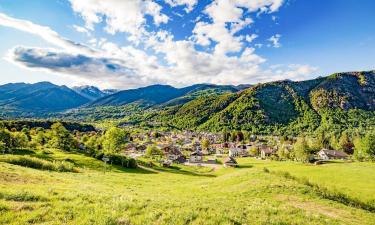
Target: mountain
pixel 22 99
pixel 159 94
pixel 341 99
pixel 91 92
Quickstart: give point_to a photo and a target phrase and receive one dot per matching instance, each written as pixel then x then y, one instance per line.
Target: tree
pixel 92 145
pixel 239 136
pixel 19 140
pixel 333 143
pixel 39 138
pixel 364 148
pixel 153 151
pixel 345 144
pixel 322 141
pixel 5 138
pixel 114 139
pixel 301 150
pixel 226 135
pixel 233 136
pixel 253 151
pixel 61 138
pixel 283 153
pixel 2 147
pixel 205 144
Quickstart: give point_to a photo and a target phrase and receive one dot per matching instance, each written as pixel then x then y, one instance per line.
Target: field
pixel 182 195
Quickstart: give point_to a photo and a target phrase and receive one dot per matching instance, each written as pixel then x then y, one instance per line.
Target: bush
pixel 121 160
pixel 41 164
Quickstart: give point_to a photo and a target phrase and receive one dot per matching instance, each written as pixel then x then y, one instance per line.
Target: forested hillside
pixel 343 99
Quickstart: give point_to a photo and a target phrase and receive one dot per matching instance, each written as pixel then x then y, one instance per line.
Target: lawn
pixel 178 195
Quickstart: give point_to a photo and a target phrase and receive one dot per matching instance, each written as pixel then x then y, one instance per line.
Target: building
pixel 326 154
pixel 266 151
pixel 174 154
pixel 238 152
pixel 196 157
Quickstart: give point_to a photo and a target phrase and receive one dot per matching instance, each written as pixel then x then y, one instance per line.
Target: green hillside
pixel 284 105
pixel 249 194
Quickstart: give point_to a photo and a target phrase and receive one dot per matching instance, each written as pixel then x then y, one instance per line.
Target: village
pixel 214 150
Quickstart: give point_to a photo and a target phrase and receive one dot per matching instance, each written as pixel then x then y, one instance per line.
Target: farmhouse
pixel 174 154
pixel 265 151
pixel 230 162
pixel 332 154
pixel 196 157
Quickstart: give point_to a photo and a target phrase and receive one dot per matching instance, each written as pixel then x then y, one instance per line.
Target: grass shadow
pixel 138 170
pixel 245 166
pixel 22 152
pixel 178 170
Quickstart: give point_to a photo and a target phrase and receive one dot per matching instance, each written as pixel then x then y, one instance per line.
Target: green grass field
pixel 181 195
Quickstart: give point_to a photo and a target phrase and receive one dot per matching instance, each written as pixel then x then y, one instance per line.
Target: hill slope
pixel 182 194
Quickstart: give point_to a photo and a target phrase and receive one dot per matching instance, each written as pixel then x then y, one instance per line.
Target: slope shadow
pixel 177 170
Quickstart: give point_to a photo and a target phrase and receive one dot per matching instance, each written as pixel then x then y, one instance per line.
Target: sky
pixel 125 44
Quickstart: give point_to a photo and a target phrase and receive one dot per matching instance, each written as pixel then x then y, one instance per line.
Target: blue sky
pixel 131 43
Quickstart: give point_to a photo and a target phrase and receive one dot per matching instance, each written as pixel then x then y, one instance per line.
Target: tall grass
pixel 22 196
pixel 35 163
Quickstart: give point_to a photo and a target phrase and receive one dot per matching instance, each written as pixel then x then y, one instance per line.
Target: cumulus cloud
pixel 189 4
pixel 275 41
pixel 160 58
pixel 120 15
pixel 224 12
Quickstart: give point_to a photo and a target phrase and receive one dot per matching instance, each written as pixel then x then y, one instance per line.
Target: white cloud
pixel 44 32
pixel 275 41
pixel 189 4
pixel 81 29
pixel 224 12
pixel 250 38
pixel 121 15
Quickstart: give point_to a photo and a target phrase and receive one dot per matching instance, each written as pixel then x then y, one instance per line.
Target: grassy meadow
pixel 180 195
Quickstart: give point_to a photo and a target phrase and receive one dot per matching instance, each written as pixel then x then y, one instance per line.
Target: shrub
pixel 122 160
pixel 41 164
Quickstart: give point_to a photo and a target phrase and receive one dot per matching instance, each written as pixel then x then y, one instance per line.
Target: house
pixel 174 154
pixel 326 154
pixel 238 152
pixel 266 151
pixel 196 157
pixel 230 162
